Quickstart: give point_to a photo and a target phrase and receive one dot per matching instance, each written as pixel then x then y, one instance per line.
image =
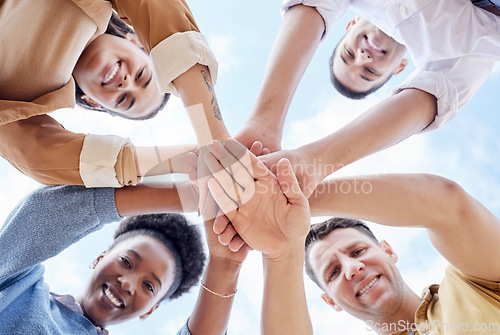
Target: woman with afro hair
pixel 153 258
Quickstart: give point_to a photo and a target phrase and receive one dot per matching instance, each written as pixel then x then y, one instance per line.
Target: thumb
pixel 288 182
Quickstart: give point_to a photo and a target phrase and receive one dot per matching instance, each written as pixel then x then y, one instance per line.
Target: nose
pixel 123 82
pixel 127 284
pixel 353 269
pixel 363 57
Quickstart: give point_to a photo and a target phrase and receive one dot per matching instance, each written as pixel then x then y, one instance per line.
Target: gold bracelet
pixel 218 294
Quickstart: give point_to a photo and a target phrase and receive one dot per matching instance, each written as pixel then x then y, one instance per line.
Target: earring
pixel 96 261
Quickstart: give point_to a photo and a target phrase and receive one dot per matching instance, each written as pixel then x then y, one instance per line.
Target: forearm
pixel 211 313
pixel 382 126
pixel 198 96
pixel 284 307
pixel 157 160
pixel 297 40
pixel 403 200
pixel 142 199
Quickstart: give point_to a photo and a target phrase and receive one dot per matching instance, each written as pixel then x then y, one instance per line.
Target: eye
pixel 370 71
pixel 358 252
pixel 139 75
pixel 149 287
pixel 334 274
pixel 348 53
pixel 125 262
pixel 121 99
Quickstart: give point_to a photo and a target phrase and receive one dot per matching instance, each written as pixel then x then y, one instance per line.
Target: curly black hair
pixel 118 28
pixel 177 230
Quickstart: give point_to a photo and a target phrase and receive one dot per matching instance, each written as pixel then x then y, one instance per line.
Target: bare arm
pixel 297 40
pixel 157 160
pixel 461 229
pixel 198 96
pixel 211 313
pixel 387 123
pixel 273 217
pixel 141 199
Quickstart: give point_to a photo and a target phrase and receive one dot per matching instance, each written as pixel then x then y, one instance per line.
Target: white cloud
pixel 222 47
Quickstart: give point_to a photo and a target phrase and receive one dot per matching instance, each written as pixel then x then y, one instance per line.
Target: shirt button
pixel 403 9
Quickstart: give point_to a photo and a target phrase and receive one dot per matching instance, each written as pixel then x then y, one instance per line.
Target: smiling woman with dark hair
pixel 153 258
pixel 53 44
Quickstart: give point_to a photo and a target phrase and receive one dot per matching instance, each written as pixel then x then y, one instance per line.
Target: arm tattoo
pixel 214 103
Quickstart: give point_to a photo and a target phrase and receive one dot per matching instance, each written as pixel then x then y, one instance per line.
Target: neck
pixel 403 317
pixel 79 300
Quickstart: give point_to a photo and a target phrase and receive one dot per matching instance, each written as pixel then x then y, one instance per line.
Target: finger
pixel 256 148
pixel 227 235
pixel 220 223
pixel 211 209
pixel 251 163
pixel 236 243
pixel 265 151
pixel 226 204
pixel 288 182
pixel 233 181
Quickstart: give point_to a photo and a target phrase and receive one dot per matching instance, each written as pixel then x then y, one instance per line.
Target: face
pixel 366 56
pixel 358 274
pixel 117 74
pixel 128 281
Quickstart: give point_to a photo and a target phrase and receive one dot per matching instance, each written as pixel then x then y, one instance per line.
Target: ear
pixel 90 101
pixel 145 316
pixel 401 66
pixel 97 260
pixel 326 298
pixel 389 251
pixel 133 38
pixel 352 23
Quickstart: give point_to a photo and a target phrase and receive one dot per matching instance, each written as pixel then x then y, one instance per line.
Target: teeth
pixel 373 46
pixel 111 297
pixel 370 284
pixel 110 76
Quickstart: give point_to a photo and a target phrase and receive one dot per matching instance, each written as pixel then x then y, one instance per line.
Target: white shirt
pixel 453 43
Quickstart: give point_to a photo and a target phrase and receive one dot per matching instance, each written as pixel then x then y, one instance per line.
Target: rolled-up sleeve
pixel 330 10
pixel 107 161
pixel 168 31
pixel 453 82
pixel 42 149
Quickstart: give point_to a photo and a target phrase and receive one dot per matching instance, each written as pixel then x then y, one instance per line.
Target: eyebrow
pixel 362 76
pixel 136 255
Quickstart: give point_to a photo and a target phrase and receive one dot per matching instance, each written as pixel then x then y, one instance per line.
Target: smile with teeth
pixel 370 284
pixel 374 46
pixel 112 74
pixel 116 301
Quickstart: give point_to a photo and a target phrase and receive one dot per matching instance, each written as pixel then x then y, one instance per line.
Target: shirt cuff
pixel 331 11
pixel 98 159
pixel 177 54
pixel 440 87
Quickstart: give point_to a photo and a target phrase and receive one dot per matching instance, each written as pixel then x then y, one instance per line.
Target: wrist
pixel 224 264
pixel 295 252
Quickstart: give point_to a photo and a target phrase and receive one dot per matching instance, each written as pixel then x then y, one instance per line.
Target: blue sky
pixel 241 36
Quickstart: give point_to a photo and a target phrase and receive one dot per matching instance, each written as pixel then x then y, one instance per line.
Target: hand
pixel 270 213
pixel 249 134
pixel 236 255
pixel 308 172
